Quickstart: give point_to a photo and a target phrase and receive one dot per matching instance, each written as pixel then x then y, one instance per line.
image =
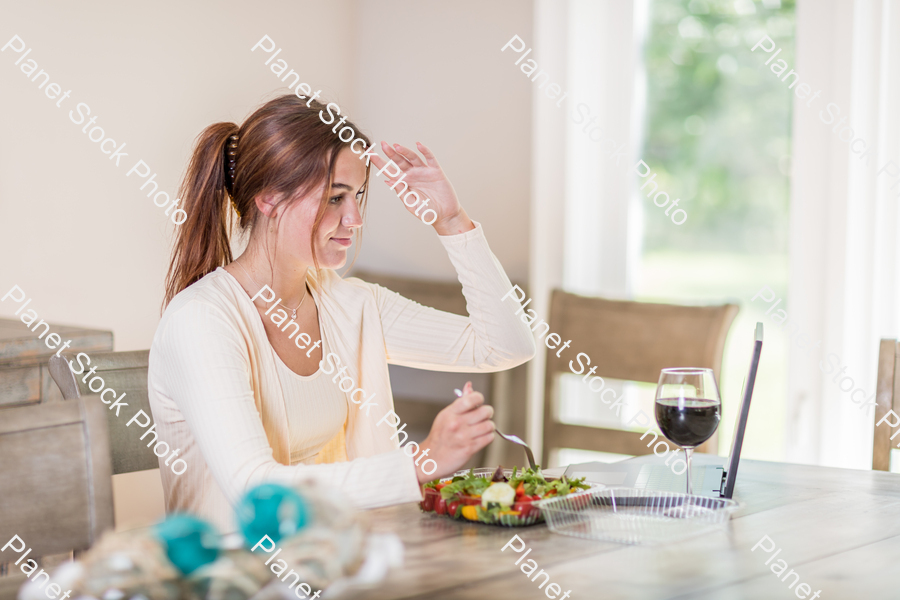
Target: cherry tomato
pixel 440 506
pixel 452 508
pixel 524 508
pixel 428 502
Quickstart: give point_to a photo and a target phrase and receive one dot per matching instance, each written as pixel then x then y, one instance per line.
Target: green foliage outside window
pixel 718 124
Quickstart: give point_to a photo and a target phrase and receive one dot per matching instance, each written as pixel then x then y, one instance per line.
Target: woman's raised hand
pixel 458 432
pixel 427 180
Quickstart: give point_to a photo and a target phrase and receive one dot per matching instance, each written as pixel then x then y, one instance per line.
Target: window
pixel 715 126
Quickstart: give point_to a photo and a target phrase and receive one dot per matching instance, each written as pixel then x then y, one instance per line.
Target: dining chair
pixel 630 341
pixel 887 398
pixel 124 372
pixel 55 479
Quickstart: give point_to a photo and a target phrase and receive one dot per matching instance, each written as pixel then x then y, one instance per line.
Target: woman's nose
pixel 352 218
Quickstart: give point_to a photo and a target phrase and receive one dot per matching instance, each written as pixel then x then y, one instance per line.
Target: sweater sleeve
pixel 204 368
pixel 491 338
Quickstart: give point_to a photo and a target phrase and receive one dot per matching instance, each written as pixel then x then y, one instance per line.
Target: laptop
pixel 715 481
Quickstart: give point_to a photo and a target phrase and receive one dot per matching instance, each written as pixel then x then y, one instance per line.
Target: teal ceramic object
pixel 189 542
pixel 271 510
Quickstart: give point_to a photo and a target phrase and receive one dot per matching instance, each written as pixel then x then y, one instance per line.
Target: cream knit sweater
pixel 214 389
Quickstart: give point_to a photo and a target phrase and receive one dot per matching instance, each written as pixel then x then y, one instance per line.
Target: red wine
pixel 688 422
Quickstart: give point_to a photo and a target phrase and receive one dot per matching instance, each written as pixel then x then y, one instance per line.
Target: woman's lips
pixel 345 242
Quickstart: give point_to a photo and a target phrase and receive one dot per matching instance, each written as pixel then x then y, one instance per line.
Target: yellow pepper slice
pixel 470 512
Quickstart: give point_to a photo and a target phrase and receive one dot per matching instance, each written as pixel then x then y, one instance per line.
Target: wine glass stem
pixel 687 458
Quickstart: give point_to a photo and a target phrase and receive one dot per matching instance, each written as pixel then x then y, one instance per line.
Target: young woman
pixel 254 391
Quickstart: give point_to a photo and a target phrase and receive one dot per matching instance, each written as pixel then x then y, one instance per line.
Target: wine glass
pixel 687 409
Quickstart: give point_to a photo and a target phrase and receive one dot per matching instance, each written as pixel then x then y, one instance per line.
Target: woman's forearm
pixel 491 338
pixel 369 482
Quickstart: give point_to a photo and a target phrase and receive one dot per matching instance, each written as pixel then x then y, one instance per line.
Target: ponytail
pixel 202 243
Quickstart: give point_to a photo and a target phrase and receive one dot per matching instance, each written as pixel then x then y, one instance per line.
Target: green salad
pixel 498 499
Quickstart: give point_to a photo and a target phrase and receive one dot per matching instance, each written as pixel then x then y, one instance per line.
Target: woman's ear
pixel 266 204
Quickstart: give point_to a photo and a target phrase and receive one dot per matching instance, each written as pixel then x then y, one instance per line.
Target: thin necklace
pixel 293 310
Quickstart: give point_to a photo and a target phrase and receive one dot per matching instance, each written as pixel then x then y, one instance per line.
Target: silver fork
pixel 514 439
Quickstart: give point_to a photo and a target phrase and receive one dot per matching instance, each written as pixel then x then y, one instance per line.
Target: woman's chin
pixel 334 260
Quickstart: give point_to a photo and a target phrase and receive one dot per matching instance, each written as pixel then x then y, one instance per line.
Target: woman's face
pixel 341 217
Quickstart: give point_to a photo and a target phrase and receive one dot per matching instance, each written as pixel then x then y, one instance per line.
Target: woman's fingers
pixel 393 155
pixel 402 163
pixel 430 160
pixel 409 156
pixel 482 413
pixel 483 428
pixel 482 441
pixel 429 157
pixel 405 160
pixel 467 402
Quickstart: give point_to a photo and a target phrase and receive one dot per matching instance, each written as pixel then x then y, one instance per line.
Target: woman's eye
pixel 336 199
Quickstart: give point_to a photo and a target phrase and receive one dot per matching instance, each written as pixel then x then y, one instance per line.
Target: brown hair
pixel 284 148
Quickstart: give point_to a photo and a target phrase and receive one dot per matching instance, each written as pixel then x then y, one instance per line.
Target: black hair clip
pixel 230 158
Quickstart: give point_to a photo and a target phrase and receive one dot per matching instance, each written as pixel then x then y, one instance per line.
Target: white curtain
pixel 845 256
pixel 606 81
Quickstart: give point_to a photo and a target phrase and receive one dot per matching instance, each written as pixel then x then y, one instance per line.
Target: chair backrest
pixel 436 294
pixel 123 372
pixel 56 477
pixel 632 341
pixel 887 398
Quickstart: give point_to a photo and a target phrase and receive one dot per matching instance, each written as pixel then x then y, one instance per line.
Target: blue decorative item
pixel 189 542
pixel 271 510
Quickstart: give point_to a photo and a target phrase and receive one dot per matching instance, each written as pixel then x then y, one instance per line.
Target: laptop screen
pixel 741 425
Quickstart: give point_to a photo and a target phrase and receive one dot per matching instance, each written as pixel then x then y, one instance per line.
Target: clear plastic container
pixel 633 516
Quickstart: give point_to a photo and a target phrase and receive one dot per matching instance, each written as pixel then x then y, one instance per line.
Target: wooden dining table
pixel 839 529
